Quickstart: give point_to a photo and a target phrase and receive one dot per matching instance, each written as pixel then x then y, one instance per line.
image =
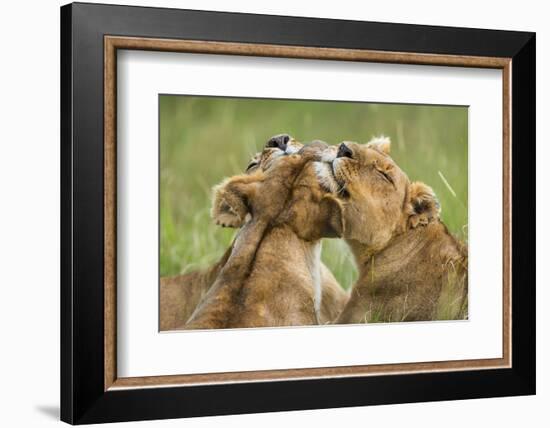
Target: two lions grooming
pixel 287 284
pixel 293 196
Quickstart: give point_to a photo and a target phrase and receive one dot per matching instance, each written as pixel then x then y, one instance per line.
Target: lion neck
pixel 295 258
pixel 405 277
pixel 290 261
pixel 431 242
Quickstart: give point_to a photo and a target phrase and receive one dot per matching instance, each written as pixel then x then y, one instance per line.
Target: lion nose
pixel 279 141
pixel 344 151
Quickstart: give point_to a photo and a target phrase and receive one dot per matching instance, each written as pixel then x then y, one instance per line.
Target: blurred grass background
pixel 204 139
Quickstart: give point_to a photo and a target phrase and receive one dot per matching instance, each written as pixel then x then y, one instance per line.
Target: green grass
pixel 204 139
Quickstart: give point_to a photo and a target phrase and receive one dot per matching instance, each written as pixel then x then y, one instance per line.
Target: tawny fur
pixel 403 281
pixel 180 294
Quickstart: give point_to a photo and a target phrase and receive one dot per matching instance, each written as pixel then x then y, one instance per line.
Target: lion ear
pixel 332 212
pixel 423 206
pixel 382 144
pixel 230 202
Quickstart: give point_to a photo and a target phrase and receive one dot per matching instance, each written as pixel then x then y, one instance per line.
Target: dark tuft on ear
pixel 423 206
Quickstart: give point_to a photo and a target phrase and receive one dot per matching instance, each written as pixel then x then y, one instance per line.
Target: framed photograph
pixel 265 213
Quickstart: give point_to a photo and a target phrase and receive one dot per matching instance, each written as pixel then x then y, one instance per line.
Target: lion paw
pixel 228 210
pixel 227 217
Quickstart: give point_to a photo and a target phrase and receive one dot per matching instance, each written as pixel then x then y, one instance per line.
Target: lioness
pixel 404 253
pixel 273 275
pixel 180 294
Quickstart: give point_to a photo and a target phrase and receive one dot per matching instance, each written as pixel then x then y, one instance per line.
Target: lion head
pixel 279 145
pixel 281 187
pixel 379 201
